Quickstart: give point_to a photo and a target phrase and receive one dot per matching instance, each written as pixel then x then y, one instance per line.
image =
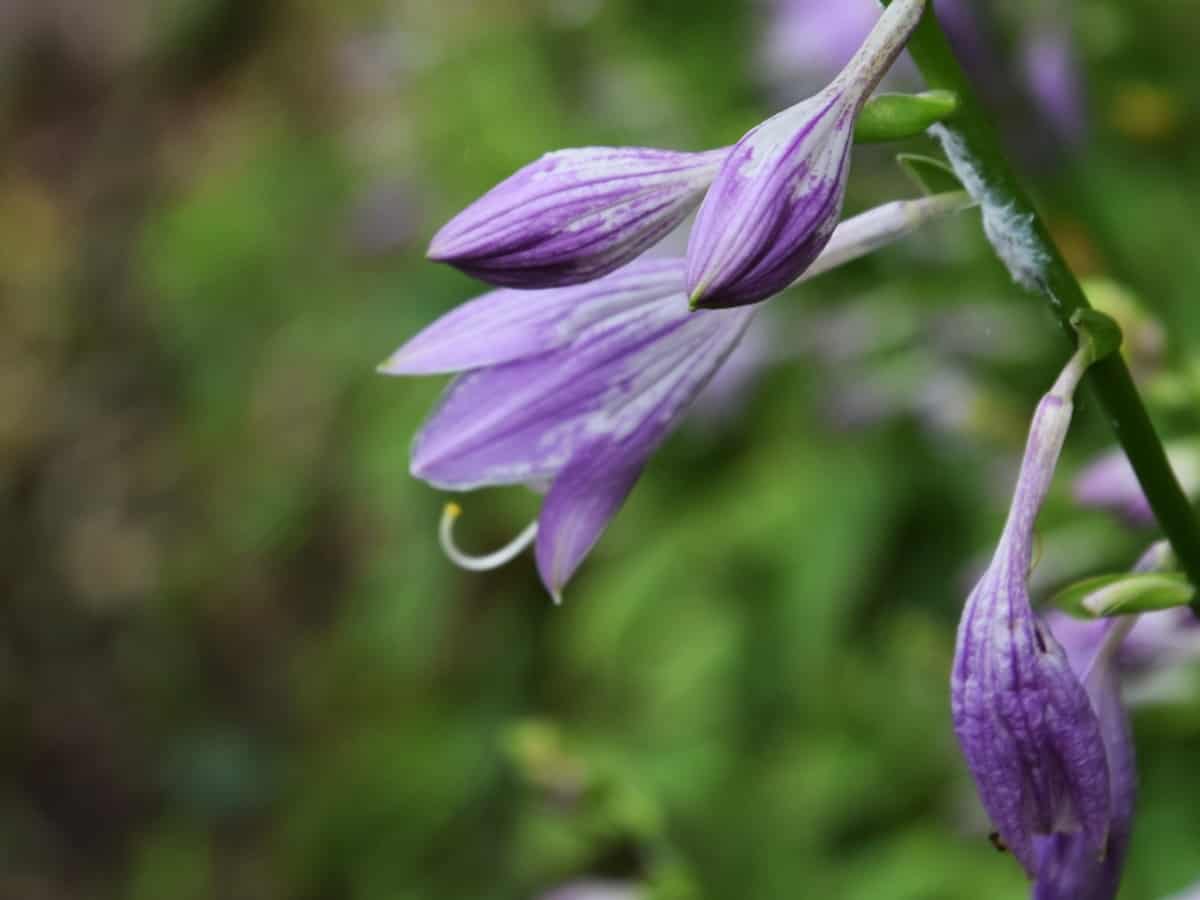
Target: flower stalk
pixel 1023 242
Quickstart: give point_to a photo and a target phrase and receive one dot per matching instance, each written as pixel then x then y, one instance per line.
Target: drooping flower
pixel 575 215
pixel 572 389
pixel 1033 740
pixel 1110 483
pixel 778 195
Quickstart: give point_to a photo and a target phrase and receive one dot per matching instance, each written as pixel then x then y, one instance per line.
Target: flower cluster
pixel 580 366
pixel 589 353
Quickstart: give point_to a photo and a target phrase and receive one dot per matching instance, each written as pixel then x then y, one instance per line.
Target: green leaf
pixel 1125 593
pixel 932 176
pixel 894 117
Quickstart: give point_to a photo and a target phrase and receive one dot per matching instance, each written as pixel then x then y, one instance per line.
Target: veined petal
pixel 644 405
pixel 575 215
pixel 773 205
pixel 519 422
pixel 506 325
pixel 778 195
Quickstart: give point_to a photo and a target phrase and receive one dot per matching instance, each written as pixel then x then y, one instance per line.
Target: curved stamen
pixel 484 563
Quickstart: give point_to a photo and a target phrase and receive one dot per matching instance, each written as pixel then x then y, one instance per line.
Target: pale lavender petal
pixel 575 215
pixel 650 391
pixel 518 423
pixel 507 325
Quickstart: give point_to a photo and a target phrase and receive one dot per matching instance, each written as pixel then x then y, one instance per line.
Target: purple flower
pixel 1054 80
pixel 1109 483
pixel 570 390
pixel 1032 739
pixel 575 215
pixel 778 194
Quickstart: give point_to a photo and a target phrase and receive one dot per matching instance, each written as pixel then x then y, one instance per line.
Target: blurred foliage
pixel 233 662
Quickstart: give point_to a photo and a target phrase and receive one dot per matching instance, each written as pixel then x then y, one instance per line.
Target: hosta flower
pixel 778 195
pixel 1110 483
pixel 1039 747
pixel 575 215
pixel 570 390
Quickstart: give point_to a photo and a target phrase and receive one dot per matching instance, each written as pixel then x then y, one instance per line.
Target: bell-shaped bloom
pixel 1109 482
pixel 571 389
pixel 575 215
pixel 778 195
pixel 1027 727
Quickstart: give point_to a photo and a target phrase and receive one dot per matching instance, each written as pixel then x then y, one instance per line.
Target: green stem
pixel 1037 262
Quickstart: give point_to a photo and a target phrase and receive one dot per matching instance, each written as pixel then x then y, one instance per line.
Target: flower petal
pixel 518 423
pixel 774 203
pixel 506 325
pixel 650 400
pixel 575 215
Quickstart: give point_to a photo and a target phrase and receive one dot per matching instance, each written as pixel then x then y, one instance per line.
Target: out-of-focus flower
pixel 807 40
pixel 573 388
pixel 1049 753
pixel 1054 79
pixel 595 890
pixel 575 215
pixel 778 195
pixel 1192 893
pixel 1109 482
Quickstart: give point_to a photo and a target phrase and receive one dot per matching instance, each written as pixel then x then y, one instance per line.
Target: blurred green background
pixel 233 661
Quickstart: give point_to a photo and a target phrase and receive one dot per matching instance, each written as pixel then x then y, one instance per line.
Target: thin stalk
pixel 1024 243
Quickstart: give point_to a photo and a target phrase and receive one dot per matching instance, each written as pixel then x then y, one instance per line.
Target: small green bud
pixel 894 117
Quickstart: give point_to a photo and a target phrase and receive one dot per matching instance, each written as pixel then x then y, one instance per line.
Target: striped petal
pixel 575 215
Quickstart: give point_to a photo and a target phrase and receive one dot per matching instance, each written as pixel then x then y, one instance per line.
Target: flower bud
pixel 778 194
pixel 575 215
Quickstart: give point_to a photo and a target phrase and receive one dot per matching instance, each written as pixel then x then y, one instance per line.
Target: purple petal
pixel 583 499
pixel 575 215
pixel 507 325
pixel 519 422
pixel 773 205
pixel 642 408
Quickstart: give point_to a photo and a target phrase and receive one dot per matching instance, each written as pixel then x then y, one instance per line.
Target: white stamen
pixel 487 562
